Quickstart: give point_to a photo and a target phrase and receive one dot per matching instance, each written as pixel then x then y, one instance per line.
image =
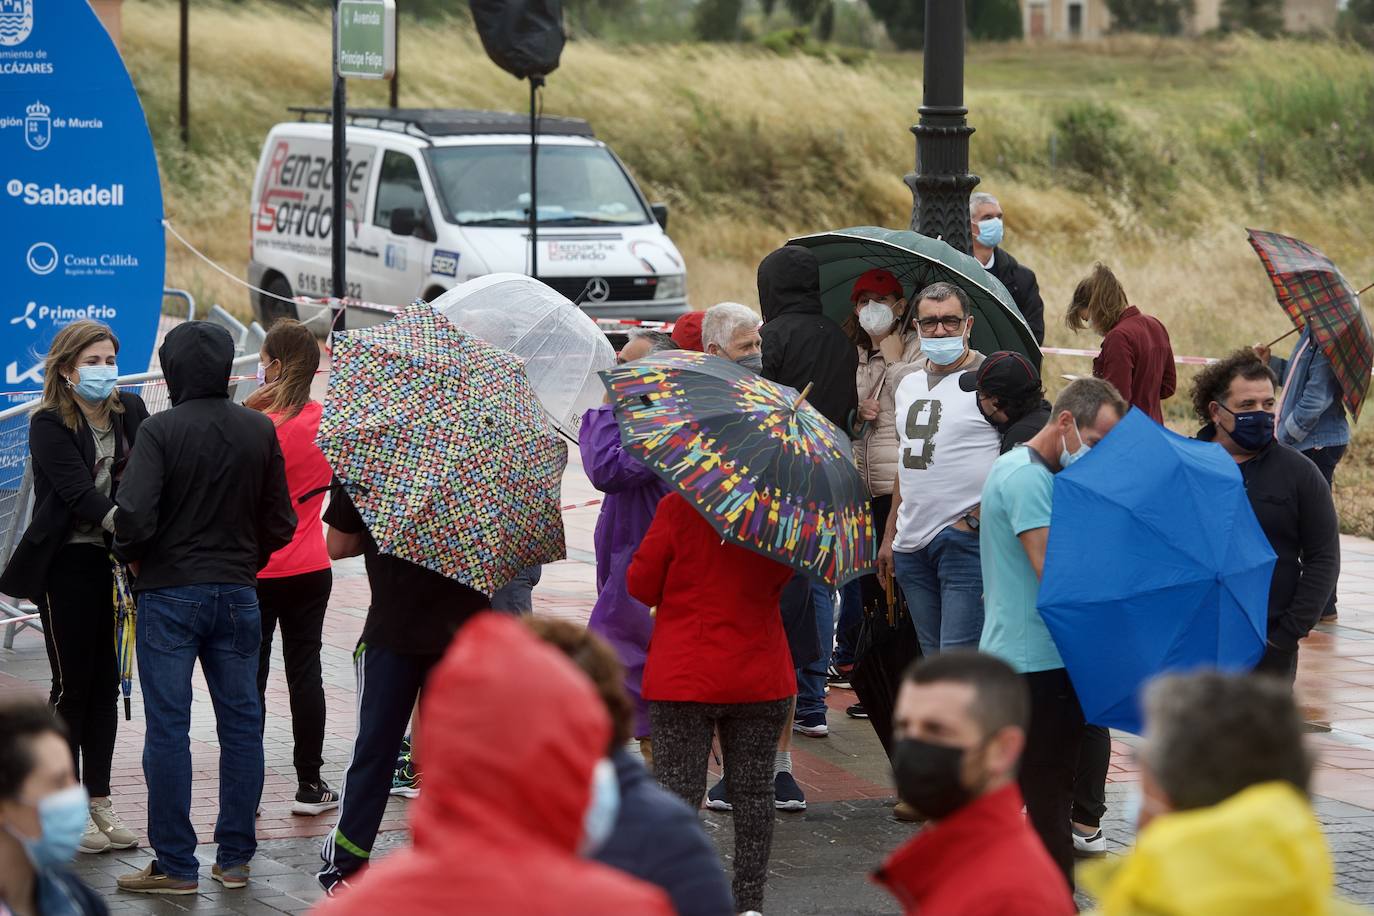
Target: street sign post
pixel 364 48
pixel 367 39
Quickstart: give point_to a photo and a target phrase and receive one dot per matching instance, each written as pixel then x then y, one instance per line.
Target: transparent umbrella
pixel 562 348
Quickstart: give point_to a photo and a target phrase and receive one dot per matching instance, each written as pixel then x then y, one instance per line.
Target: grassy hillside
pixel 1151 156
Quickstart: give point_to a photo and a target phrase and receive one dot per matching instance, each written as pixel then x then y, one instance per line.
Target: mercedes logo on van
pixel 598 289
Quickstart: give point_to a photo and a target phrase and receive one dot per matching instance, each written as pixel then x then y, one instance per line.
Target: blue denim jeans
pixel 811 679
pixel 847 623
pixel 943 585
pixel 221 626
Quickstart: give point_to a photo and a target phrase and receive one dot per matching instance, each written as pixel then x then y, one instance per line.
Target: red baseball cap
pixel 877 282
pixel 687 331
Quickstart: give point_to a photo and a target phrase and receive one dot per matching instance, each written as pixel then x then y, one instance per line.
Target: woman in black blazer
pixel 79 438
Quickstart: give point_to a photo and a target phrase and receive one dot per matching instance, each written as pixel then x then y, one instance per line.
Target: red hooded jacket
pixel 509 734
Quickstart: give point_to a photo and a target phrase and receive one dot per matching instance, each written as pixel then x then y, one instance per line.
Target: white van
pixel 438 197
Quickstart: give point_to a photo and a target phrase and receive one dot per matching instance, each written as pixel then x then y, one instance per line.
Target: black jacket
pixel 800 345
pixel 64 492
pixel 1294 507
pixel 1022 430
pixel 1025 291
pixel 204 498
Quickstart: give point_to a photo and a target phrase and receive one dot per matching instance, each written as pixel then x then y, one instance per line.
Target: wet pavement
pixel 821 857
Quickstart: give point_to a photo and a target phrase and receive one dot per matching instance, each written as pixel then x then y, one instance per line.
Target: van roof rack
pixel 427 123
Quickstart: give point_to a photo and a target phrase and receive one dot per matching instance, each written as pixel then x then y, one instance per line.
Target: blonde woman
pixel 79 439
pixel 294 586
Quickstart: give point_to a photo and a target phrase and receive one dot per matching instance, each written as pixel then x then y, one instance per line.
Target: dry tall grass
pixel 750 148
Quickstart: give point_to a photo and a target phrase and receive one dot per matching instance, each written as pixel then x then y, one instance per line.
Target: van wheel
pixel 273 308
pixel 434 292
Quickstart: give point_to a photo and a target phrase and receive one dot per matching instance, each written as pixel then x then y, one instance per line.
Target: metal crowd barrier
pixel 16 476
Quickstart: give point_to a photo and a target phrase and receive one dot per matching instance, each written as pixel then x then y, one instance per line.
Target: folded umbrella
pixel 562 348
pixel 1314 293
pixel 885 648
pixel 126 616
pixel 918 261
pixel 444 449
pixel 763 466
pixel 1155 563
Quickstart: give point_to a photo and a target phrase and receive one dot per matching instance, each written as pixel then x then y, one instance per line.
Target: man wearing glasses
pixel 946 448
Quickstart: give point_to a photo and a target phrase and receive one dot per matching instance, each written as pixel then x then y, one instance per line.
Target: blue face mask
pixel 943 351
pixel 1254 428
pixel 602 809
pixel 62 817
pixel 96 382
pixel 990 232
pixel 1067 457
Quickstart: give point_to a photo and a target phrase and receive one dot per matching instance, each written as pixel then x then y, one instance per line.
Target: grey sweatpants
pixel 749 735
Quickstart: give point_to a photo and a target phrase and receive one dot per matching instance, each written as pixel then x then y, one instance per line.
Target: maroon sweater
pixel 1137 358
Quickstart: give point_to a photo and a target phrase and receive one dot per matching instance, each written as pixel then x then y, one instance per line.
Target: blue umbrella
pixel 1155 563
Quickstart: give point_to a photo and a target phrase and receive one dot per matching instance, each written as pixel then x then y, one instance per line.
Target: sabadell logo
pixel 34 194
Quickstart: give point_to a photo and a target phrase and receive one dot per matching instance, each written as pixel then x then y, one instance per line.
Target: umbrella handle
pixel 1271 343
pixel 128 710
pixel 802 397
pixel 1365 290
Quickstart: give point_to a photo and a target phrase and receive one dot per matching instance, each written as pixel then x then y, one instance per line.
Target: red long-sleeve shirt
pixel 1138 359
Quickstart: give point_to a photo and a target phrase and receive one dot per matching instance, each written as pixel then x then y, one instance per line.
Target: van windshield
pixel 578 186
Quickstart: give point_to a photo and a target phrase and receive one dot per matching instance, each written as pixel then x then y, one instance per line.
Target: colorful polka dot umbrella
pixel 763 466
pixel 444 449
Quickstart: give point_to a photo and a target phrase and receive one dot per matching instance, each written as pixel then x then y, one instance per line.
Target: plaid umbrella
pixel 769 473
pixel 444 449
pixel 1313 292
pixel 126 615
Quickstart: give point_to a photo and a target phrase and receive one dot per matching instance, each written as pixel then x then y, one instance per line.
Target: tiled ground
pixel 821 858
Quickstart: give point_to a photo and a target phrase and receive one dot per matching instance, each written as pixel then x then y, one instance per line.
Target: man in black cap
pixel 1010 396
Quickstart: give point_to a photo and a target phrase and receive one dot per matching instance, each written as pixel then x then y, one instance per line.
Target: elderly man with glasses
pixel 946 446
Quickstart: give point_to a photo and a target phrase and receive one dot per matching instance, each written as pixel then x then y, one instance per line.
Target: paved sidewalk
pixel 821 857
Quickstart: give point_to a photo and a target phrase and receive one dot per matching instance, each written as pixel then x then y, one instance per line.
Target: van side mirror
pixel 660 212
pixel 403 221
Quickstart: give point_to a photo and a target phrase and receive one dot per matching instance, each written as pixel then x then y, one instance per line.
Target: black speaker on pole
pixel 524 38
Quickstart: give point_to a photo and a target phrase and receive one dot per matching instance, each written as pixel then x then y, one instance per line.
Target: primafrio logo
pixel 16 21
pixel 37 125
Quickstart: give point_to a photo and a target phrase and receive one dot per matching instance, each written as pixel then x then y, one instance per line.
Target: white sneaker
pixel 104 816
pixel 94 839
pixel 1089 846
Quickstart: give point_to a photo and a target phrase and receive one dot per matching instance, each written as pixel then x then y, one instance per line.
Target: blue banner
pixel 80 199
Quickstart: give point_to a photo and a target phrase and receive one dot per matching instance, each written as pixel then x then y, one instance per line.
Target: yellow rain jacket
pixel 1259 853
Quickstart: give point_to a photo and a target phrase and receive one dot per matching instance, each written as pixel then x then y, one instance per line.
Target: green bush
pixel 1103 151
pixel 1315 128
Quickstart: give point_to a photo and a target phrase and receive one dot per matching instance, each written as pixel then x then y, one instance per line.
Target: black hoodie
pixel 800 345
pixel 203 500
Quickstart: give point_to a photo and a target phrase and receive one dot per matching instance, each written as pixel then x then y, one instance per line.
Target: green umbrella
pixel 918 261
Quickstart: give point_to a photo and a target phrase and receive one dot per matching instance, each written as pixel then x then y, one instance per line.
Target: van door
pixel 394 263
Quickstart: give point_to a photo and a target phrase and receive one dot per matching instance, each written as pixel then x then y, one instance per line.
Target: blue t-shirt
pixel 1016 499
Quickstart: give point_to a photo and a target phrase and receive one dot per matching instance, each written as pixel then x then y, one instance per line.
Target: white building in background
pixel 1090 20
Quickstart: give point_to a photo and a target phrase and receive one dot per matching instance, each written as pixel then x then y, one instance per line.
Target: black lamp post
pixel 941 182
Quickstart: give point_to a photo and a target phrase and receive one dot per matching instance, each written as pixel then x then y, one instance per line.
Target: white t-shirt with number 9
pixel 945 448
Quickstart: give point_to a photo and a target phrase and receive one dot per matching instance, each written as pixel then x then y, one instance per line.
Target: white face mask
pixel 875 318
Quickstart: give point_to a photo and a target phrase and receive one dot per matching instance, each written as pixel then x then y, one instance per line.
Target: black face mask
pixel 929 777
pixel 1253 428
